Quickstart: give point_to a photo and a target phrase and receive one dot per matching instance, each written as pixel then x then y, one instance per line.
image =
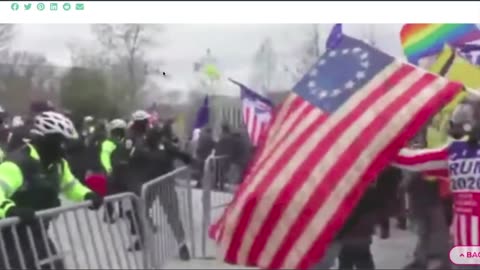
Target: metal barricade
pixel 216 195
pixel 169 216
pixel 73 237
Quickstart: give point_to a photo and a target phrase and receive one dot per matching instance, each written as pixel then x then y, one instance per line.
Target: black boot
pixel 402 223
pixel 184 253
pixel 384 233
pixel 136 246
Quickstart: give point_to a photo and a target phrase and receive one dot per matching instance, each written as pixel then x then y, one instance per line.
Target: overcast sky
pixel 233 45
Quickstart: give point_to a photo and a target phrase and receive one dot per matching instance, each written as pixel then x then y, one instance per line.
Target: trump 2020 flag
pixel 256 112
pixel 342 124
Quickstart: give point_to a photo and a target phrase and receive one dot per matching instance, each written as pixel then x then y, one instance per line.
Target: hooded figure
pixel 465 120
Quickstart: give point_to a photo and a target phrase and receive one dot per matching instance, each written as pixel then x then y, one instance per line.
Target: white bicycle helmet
pixel 140 115
pixel 117 123
pixel 54 123
pixel 17 121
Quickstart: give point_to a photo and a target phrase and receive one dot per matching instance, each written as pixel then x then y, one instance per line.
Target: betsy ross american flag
pixel 256 112
pixel 346 118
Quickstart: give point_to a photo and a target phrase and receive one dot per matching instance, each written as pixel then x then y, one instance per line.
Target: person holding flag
pixel 456 161
pixel 202 140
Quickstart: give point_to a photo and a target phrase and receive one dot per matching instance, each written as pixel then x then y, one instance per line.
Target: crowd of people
pixel 43 155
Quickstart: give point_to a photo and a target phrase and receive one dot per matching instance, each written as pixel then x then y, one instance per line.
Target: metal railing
pixel 128 232
pixel 216 195
pixel 71 237
pixel 169 216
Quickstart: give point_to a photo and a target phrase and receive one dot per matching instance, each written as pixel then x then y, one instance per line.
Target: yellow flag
pixel 211 71
pixel 457 69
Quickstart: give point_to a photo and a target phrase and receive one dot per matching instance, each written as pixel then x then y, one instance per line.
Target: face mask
pixel 51 148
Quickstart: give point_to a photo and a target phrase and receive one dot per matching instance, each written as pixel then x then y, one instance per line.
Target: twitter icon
pixel 27 6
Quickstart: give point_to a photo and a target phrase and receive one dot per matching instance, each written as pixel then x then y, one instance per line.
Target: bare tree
pixel 7 33
pixel 127 44
pixel 82 56
pixel 310 51
pixel 25 75
pixel 264 66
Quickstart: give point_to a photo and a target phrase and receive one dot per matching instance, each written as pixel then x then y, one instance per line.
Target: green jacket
pixel 106 149
pixel 24 182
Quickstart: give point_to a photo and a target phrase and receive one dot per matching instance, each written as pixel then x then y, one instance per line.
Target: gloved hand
pixel 184 157
pixel 26 215
pixel 96 200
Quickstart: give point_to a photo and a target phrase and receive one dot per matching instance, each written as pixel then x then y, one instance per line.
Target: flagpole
pixel 210 90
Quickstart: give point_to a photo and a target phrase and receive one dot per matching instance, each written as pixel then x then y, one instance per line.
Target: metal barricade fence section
pixel 74 237
pixel 169 217
pixel 217 193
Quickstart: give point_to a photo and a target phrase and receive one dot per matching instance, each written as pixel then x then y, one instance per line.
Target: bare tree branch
pixel 7 33
pixel 309 52
pixel 265 66
pixel 128 44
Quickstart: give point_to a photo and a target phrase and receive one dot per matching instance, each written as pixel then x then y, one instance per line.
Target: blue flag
pixel 202 118
pixel 335 36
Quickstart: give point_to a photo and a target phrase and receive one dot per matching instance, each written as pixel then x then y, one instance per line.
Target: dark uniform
pixel 26 184
pixel 162 154
pixel 17 137
pixel 93 138
pixel 133 178
pixel 113 158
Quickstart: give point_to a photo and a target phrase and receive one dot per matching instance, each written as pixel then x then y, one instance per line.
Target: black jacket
pixel 362 220
pixel 17 138
pixel 225 145
pixel 205 145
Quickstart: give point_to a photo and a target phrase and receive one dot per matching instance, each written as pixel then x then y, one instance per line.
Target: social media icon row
pixel 53 6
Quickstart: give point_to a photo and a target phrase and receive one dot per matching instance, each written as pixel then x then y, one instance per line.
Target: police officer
pixel 139 152
pixel 31 179
pixel 114 159
pixel 117 128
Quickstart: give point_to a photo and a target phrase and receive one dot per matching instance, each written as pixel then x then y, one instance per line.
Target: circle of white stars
pixel 364 63
pixel 463 154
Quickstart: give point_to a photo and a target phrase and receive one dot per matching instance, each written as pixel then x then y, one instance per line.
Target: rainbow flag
pixel 421 40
